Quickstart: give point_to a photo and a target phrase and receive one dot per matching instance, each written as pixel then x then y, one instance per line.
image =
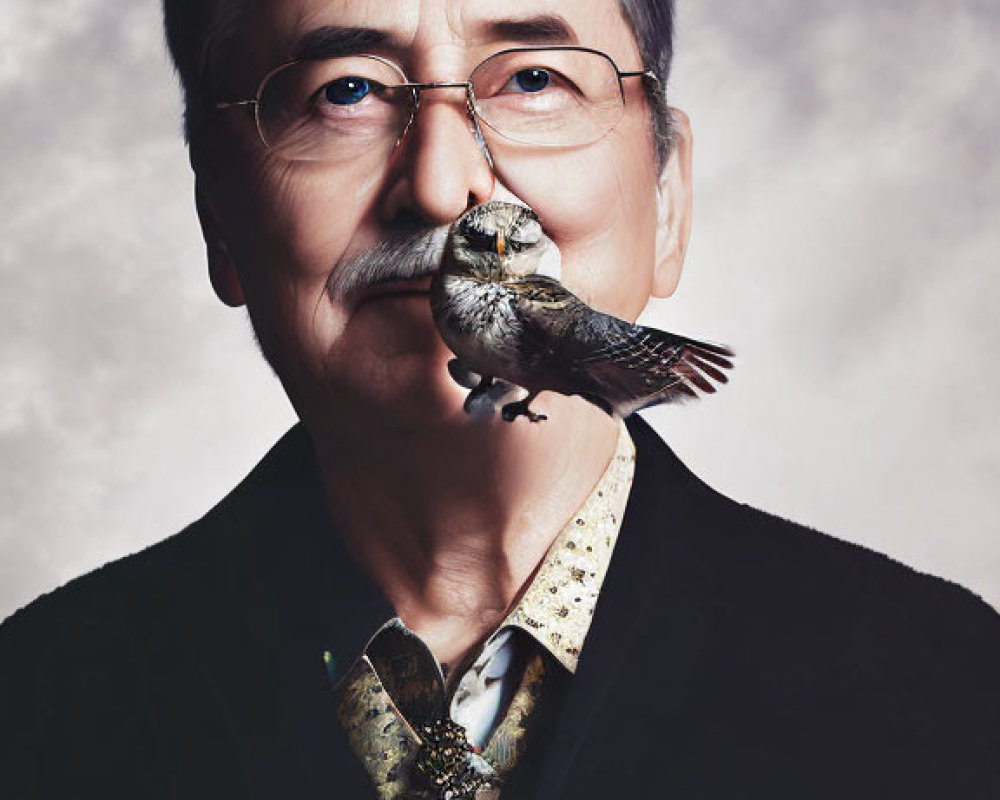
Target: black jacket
pixel 732 655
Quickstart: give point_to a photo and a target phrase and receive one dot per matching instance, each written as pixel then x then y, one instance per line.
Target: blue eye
pixel 347 91
pixel 532 80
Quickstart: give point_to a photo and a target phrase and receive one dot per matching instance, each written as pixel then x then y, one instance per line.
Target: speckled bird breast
pixel 478 320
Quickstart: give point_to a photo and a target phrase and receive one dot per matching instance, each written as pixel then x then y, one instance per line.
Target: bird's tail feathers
pixel 689 368
pixel 699 361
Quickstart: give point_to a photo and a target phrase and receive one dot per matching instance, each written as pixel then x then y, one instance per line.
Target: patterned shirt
pixel 417 742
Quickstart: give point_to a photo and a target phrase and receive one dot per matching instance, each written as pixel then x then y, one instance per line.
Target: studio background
pixel 846 244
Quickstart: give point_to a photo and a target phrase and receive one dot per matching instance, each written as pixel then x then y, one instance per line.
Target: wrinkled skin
pixel 276 230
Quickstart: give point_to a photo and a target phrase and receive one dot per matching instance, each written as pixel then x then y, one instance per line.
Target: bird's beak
pixel 501 244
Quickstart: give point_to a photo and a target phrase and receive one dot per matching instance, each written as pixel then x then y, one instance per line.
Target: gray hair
pixel 199 35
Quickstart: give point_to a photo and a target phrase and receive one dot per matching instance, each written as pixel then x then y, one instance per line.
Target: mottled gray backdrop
pixel 846 242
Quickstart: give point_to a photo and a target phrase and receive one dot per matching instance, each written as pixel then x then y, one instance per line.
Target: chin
pixel 408 392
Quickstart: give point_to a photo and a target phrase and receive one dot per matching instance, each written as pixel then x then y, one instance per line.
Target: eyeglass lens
pixel 344 108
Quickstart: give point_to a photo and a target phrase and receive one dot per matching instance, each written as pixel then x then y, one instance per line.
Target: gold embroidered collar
pixel 396 688
pixel 557 607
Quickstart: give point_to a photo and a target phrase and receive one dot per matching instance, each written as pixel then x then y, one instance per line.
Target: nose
pixel 441 169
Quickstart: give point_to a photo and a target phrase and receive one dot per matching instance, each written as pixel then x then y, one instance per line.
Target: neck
pixel 452 522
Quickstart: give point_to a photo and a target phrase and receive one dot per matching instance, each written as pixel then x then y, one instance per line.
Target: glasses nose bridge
pixel 467 85
pixel 417 90
pixel 470 109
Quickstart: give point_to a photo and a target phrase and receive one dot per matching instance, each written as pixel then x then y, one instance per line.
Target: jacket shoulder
pixel 796 599
pixel 760 555
pixel 755 557
pixel 121 589
pixel 899 666
pixel 83 657
pixel 200 554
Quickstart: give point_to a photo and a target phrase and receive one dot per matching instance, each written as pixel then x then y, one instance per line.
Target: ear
pixel 221 268
pixel 674 203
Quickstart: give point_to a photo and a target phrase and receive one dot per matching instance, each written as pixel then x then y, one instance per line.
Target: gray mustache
pixel 399 256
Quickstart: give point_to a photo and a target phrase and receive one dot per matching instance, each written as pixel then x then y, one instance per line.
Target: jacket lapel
pixel 655 604
pixel 301 594
pixel 323 603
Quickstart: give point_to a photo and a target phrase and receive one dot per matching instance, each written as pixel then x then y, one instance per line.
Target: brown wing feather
pixel 635 366
pixel 617 365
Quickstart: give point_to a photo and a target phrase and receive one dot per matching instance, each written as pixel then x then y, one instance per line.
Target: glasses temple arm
pixel 235 103
pixel 646 73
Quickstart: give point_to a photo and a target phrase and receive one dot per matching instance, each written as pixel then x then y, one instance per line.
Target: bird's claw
pixel 477 402
pixel 512 411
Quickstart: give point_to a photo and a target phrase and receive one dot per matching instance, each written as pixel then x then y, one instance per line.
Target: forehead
pixel 429 34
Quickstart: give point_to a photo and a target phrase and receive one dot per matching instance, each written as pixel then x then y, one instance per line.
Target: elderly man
pixel 405 601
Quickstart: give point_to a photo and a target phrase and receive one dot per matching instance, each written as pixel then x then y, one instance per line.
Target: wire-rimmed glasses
pixel 336 109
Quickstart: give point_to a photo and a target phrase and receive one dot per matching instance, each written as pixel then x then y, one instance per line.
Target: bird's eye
pixel 527 232
pixel 347 91
pixel 532 79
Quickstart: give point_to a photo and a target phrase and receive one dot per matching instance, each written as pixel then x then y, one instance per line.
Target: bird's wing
pixel 544 293
pixel 634 366
pixel 548 311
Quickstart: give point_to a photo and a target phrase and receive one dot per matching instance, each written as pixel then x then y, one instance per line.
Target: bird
pixel 504 321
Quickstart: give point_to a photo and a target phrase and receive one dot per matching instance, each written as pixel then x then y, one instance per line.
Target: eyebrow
pixel 331 41
pixel 539 29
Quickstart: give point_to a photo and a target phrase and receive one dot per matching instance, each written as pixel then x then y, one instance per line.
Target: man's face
pixel 287 226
